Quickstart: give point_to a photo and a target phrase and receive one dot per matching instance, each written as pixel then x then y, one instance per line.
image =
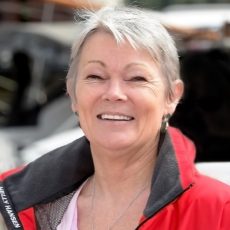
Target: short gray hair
pixel 140 28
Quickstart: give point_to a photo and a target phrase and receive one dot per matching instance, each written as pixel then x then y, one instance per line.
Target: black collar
pixel 51 176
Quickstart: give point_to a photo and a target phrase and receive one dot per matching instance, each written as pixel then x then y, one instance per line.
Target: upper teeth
pixel 115 117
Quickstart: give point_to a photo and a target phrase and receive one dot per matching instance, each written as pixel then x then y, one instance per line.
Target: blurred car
pixel 55 117
pixel 34 60
pixel 7 157
pixel 45 145
pixel 202 35
pixel 217 170
pixel 197 15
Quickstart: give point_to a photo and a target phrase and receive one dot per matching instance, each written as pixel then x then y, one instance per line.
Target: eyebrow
pixel 126 67
pixel 136 64
pixel 97 62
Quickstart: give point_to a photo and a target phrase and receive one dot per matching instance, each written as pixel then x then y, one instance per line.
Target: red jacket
pixel 180 198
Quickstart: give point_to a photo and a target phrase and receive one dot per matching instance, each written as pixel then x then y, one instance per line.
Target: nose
pixel 114 91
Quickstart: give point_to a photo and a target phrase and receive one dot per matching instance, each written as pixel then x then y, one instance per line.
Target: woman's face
pixel 120 94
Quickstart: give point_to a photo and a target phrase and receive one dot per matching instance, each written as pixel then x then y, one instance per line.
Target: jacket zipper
pixel 146 220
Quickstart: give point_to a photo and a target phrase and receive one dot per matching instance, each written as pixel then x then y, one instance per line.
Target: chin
pixel 116 143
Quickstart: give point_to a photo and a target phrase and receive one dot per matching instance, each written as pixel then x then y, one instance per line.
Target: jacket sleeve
pixel 225 221
pixel 2 223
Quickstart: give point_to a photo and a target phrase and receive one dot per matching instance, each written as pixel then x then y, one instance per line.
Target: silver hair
pixel 141 29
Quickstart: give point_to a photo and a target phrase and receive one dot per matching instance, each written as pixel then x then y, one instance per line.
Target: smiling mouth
pixel 116 117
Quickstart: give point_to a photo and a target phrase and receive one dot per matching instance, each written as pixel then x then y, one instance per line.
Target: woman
pixel 128 172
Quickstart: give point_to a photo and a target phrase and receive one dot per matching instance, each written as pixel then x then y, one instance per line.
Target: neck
pixel 126 172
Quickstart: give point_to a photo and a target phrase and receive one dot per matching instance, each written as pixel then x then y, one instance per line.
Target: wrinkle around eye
pixel 139 80
pixel 153 85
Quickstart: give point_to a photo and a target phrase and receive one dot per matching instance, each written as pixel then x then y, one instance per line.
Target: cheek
pixel 151 99
pixel 84 102
pixel 151 109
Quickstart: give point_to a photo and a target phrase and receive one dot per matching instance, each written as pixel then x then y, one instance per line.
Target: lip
pixel 108 116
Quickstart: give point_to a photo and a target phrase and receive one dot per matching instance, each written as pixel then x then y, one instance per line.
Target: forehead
pixel 102 45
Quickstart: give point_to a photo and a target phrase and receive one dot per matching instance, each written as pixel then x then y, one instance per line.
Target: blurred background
pixel 35 41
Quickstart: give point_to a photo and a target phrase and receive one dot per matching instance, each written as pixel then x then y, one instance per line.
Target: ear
pixel 177 89
pixel 71 93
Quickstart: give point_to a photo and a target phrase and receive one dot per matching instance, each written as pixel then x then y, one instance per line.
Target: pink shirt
pixel 69 220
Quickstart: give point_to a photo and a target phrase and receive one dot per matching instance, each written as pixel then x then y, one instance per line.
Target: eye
pixel 93 77
pixel 138 79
